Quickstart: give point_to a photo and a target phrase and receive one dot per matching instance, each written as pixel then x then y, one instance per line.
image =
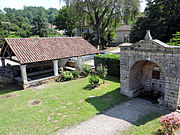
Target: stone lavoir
pixel 34 61
pixel 151 66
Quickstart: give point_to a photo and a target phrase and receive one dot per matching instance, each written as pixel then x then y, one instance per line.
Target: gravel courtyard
pixel 114 120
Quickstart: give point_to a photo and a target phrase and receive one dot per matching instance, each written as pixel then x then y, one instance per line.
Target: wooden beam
pixel 4 51
pixel 13 60
pixel 8 51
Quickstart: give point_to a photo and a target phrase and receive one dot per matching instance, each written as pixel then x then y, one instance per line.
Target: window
pixel 155 74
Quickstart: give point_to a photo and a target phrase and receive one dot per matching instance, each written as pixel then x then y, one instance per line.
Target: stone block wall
pixel 138 62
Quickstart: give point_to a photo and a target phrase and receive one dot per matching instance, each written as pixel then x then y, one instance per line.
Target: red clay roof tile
pixel 29 50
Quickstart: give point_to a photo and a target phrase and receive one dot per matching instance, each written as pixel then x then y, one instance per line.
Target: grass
pixel 147 125
pixel 62 104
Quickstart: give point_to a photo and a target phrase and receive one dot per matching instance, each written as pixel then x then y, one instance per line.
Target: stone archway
pixel 146 76
pixel 151 65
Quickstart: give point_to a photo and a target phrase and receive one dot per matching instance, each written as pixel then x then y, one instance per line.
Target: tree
pixel 1 35
pixel 175 41
pixel 101 13
pixel 40 25
pixel 52 12
pixel 20 22
pixel 162 17
pixel 64 21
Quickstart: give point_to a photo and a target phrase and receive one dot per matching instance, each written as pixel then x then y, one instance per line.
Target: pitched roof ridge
pixel 43 37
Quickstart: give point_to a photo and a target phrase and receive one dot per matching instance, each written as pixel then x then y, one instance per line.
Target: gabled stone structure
pixel 151 65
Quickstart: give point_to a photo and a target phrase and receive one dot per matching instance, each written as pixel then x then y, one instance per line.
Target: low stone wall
pixel 38 82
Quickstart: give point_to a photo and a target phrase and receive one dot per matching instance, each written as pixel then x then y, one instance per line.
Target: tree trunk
pixel 97 36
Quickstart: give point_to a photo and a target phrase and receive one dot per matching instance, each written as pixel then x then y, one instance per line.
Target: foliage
pixel 27 14
pixel 107 37
pixel 162 17
pixel 1 34
pixel 64 21
pixel 21 21
pixel 170 123
pixel 94 80
pixel 86 68
pixel 49 114
pixel 40 25
pixel 76 74
pixel 175 41
pixel 102 71
pixel 65 76
pixel 54 33
pixel 101 14
pixel 111 61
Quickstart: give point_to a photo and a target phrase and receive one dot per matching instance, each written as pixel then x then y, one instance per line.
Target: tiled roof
pixel 29 50
pixel 124 28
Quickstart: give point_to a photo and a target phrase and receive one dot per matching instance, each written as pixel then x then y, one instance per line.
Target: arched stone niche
pixel 151 65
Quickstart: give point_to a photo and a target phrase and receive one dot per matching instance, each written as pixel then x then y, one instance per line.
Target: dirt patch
pixel 64 116
pixel 52 113
pixel 63 107
pixel 55 121
pixel 59 113
pixel 69 103
pixel 78 108
pixel 91 96
pixel 41 87
pixel 49 118
pixel 80 101
pixel 7 96
pixel 56 98
pixel 35 102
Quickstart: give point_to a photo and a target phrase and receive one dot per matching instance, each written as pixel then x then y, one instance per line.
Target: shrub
pixel 170 123
pixel 94 80
pixel 76 74
pixel 102 71
pixel 66 76
pixel 111 61
pixel 86 69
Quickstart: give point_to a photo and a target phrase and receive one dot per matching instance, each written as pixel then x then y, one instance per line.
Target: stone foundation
pixel 38 82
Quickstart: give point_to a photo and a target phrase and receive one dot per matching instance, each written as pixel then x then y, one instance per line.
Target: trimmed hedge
pixel 111 61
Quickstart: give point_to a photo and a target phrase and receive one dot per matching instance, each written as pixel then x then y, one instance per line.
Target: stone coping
pixel 42 79
pixel 158 43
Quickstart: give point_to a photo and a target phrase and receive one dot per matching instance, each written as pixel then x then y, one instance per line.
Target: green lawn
pixel 147 125
pixel 62 104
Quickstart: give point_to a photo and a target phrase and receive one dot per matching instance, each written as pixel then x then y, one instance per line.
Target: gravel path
pixel 115 120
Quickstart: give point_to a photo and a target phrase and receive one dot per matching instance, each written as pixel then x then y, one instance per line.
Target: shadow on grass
pixel 149 117
pixel 8 88
pixel 113 78
pixel 106 101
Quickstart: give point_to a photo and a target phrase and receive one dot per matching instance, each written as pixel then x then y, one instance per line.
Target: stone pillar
pixel 23 73
pixel 55 63
pixel 3 62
